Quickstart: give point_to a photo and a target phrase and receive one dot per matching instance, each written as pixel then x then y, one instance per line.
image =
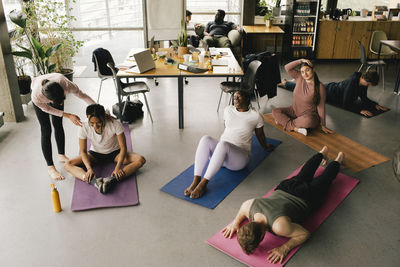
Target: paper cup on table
pixel 186 58
pixel 201 58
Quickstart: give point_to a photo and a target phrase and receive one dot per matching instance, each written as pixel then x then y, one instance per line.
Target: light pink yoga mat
pixel 338 191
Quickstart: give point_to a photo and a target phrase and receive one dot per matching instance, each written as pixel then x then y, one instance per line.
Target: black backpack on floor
pixel 133 111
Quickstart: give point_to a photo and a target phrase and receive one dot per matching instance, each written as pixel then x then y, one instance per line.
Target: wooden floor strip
pixel 357 157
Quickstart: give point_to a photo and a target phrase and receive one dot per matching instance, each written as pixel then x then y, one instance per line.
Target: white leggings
pixel 220 153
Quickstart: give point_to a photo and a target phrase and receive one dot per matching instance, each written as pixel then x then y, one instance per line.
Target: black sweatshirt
pixel 349 94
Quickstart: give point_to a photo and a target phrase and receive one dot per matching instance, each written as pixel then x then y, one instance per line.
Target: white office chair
pixel 101 76
pixel 376 38
pixel 129 88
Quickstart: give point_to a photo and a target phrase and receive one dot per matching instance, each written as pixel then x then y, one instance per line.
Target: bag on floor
pixel 133 110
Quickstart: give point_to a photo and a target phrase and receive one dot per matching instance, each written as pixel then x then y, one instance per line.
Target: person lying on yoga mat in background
pixel 308 107
pixel 107 138
pixel 233 149
pixel 291 202
pixel 48 95
pixel 350 94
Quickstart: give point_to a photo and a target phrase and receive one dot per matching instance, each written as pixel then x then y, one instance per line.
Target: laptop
pixel 144 62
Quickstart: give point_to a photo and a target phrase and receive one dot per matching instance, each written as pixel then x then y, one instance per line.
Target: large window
pixel 204 11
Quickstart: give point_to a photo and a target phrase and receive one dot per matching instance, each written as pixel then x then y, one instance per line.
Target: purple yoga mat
pixel 86 196
pixel 340 188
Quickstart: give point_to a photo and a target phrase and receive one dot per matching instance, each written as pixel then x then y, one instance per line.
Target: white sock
pixel 302 131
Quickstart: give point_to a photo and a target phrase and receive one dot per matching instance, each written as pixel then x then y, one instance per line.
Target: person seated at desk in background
pixel 350 94
pixel 195 32
pixel 233 149
pixel 292 201
pixel 216 32
pixel 107 138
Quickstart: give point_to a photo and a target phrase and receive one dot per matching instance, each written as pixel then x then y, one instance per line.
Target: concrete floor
pixel 166 231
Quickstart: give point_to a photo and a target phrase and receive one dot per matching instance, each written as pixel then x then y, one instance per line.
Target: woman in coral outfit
pixel 308 108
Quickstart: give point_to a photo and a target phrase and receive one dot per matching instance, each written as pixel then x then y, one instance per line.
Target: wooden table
pixel 395 45
pixel 263 30
pixel 162 70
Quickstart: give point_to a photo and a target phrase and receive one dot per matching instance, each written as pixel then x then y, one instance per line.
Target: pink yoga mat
pixel 125 193
pixel 338 191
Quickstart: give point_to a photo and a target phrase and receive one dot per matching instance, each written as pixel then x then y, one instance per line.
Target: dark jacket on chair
pixel 103 57
pixel 268 74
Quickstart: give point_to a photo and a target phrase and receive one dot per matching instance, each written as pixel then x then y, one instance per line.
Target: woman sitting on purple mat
pixel 233 149
pixel 291 202
pixel 107 138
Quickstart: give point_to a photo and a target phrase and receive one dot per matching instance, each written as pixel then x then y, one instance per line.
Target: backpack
pixel 133 111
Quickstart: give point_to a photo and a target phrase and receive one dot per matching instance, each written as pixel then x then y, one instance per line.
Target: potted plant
pixel 37 53
pixel 266 9
pixel 24 81
pixel 183 40
pixel 54 20
pixel 276 10
pixel 268 17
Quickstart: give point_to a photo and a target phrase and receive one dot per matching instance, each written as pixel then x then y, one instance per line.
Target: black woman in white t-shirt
pixel 232 151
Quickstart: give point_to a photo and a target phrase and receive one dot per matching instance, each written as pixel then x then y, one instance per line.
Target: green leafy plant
pixel 53 18
pixel 182 36
pixel 267 8
pixel 268 15
pixel 37 53
pixel 271 3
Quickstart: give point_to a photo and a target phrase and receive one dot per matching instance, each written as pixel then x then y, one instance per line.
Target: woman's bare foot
pixel 324 152
pixel 340 158
pixel 195 182
pixel 200 189
pixel 54 174
pixel 282 83
pixel 62 158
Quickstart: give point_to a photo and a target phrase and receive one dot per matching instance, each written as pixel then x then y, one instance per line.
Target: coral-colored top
pixel 69 87
pixel 303 94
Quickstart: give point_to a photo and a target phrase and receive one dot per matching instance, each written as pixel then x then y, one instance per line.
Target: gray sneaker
pixel 108 183
pixel 99 185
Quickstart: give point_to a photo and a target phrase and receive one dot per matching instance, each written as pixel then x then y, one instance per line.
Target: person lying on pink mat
pixel 290 204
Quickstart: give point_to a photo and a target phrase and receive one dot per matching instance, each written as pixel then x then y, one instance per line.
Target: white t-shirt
pixel 239 126
pixel 106 142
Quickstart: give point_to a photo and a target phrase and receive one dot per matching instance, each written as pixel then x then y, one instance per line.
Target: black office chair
pixel 247 84
pixel 378 64
pixel 129 88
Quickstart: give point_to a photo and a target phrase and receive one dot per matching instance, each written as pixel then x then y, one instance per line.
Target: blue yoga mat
pixel 222 183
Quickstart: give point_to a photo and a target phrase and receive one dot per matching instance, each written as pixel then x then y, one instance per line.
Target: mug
pixel 364 12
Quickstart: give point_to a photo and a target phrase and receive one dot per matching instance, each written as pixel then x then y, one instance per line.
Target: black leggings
pixel 304 186
pixel 45 128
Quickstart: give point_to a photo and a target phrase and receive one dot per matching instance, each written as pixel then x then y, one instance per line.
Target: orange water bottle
pixel 55 198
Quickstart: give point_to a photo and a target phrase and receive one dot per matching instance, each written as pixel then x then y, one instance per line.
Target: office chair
pixel 377 64
pixel 102 70
pixel 129 88
pixel 376 38
pixel 247 84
